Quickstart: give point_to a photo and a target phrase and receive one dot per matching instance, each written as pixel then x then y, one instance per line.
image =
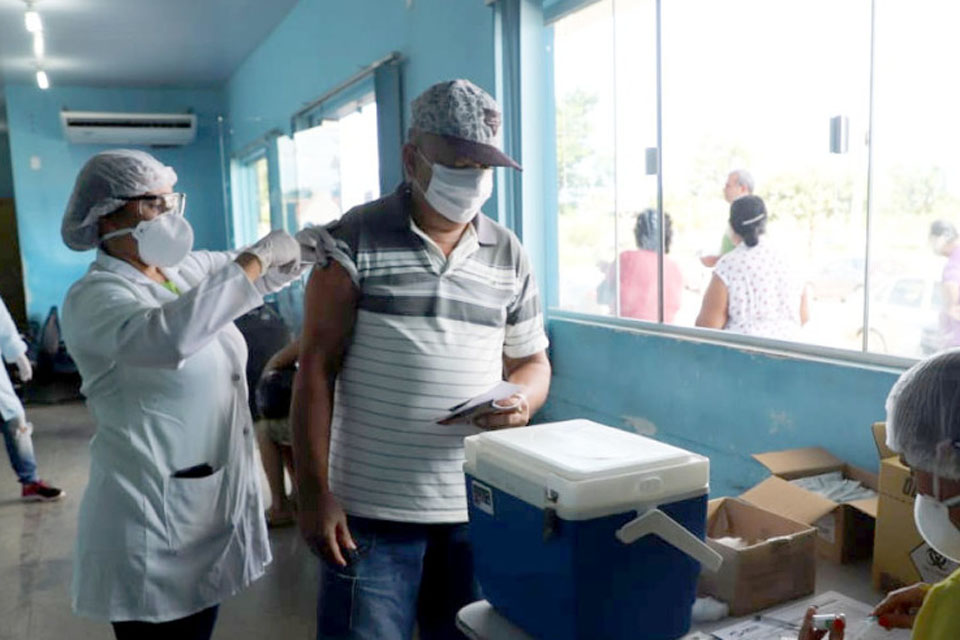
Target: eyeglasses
pixel 158 204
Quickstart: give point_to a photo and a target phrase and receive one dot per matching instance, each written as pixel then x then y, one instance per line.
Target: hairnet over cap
pixel 103 185
pixel 923 415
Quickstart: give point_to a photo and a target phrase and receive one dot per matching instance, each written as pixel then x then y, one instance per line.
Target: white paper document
pixel 783 623
pixel 463 411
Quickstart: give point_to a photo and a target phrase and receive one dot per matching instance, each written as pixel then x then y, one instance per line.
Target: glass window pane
pixel 260 170
pixel 337 165
pixel 638 223
pixel 915 275
pixel 745 87
pixel 583 61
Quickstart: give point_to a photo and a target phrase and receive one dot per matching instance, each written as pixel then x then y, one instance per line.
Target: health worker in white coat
pixel 171 522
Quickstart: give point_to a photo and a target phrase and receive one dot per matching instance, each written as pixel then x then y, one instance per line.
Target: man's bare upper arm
pixel 329 313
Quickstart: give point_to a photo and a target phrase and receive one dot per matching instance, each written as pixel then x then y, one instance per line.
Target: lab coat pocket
pixel 195 509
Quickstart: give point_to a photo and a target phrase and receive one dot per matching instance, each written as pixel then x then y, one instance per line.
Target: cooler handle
pixel 656 522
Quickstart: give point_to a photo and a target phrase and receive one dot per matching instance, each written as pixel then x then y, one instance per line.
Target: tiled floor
pixel 36 543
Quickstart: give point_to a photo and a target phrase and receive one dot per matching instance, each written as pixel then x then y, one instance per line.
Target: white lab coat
pixel 12 347
pixel 164 379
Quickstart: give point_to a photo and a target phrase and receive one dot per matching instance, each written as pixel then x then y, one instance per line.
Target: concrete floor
pixel 36 546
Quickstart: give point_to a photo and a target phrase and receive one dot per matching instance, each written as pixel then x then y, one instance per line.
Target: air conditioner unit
pixel 154 129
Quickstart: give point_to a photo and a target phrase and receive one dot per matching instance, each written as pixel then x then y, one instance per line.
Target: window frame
pixel 245 193
pixel 551 12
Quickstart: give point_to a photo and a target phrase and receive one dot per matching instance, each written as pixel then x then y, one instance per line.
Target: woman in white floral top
pixel 753 290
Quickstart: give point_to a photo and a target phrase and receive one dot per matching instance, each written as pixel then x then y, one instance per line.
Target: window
pixel 643 155
pixel 263 196
pixel 344 148
pixel 336 156
pixel 251 198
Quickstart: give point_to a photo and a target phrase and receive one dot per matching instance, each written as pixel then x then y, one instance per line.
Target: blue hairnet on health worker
pixel 171 522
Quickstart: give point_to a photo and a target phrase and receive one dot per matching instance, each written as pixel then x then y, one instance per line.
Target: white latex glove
pixel 276 279
pixel 276 249
pixel 24 368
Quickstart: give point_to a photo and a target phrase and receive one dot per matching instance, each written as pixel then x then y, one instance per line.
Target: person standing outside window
pixel 739 183
pixel 639 281
pixel 944 242
pixel 426 302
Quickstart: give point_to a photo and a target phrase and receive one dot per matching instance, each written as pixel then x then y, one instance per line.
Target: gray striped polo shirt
pixel 431 331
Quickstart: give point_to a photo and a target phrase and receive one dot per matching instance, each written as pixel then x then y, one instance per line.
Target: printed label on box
pixel 827 528
pixel 482 497
pixel 931 566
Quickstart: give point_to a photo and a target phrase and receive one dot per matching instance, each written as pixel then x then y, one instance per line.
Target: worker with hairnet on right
pixel 171 522
pixel 923 426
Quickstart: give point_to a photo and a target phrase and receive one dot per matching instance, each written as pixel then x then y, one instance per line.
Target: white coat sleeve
pixel 203 263
pixel 107 319
pixel 12 345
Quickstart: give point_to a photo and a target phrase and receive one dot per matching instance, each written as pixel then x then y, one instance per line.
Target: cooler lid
pixel 579 450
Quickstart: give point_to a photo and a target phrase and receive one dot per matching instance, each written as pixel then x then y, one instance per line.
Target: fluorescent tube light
pixel 32 21
pixel 42 80
pixel 39 46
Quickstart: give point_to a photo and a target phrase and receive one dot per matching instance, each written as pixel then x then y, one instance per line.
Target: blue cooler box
pixel 584 531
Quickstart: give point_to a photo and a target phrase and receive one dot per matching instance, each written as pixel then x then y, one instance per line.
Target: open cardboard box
pixel 900 556
pixel 779 564
pixel 845 531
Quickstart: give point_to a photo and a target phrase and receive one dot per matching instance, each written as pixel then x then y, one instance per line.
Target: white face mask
pixel 163 241
pixel 932 517
pixel 458 194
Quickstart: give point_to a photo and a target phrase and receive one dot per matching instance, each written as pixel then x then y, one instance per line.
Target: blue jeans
pixel 402 573
pixel 20 449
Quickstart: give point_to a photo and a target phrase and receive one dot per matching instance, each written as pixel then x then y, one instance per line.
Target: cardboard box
pixel 845 531
pixel 779 564
pixel 900 556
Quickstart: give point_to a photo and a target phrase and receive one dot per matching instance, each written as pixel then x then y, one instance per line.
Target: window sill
pixel 766 346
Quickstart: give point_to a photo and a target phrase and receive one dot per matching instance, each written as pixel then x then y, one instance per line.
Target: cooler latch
pixel 656 522
pixel 550 518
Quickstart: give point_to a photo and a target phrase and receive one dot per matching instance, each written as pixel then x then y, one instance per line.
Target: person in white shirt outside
pixel 754 290
pixel 423 303
pixel 171 522
pixel 739 183
pixel 13 419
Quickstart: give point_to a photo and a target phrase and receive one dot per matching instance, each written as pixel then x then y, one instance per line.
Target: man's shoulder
pixel 368 222
pixel 380 214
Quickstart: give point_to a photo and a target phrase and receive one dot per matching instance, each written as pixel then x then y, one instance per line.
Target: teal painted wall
pixel 318 45
pixel 719 401
pixel 41 195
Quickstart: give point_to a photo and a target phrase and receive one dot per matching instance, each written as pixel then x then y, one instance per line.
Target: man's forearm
pixel 534 377
pixel 311 415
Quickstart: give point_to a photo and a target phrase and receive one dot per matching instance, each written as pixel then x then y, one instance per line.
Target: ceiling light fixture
pixel 39 46
pixel 42 80
pixel 32 20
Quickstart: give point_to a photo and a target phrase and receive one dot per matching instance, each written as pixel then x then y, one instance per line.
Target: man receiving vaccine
pixel 423 302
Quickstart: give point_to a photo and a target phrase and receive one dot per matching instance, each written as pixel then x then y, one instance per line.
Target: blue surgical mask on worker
pixel 932 517
pixel 163 241
pixel 457 194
